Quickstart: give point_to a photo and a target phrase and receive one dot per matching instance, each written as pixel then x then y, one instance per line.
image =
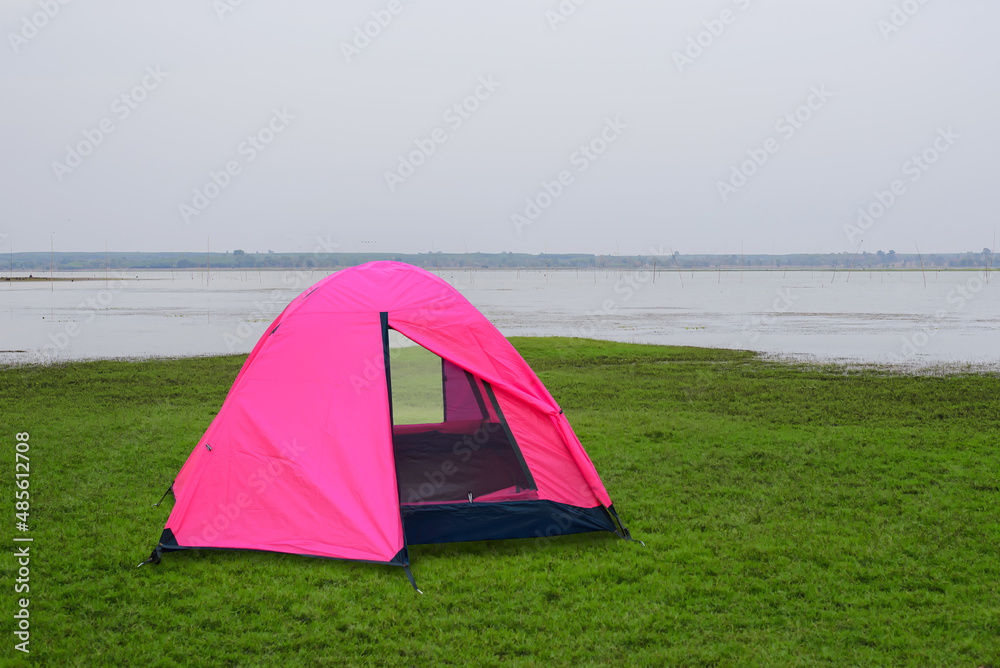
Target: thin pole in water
pixel 989 263
pixel 741 260
pixel 677 264
pixel 468 263
pixel 852 262
pixel 993 252
pixel 921 263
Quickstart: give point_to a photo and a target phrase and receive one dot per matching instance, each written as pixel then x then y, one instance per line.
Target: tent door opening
pixel 450 439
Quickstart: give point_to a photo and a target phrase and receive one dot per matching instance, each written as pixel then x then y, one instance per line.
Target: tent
pixel 379 410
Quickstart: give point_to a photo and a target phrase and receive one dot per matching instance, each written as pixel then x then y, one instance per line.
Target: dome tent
pixel 330 444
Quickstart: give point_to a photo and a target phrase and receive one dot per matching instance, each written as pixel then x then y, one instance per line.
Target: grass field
pixel 791 515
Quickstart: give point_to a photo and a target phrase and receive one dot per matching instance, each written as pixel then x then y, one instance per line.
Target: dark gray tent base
pixel 460 522
pixel 456 522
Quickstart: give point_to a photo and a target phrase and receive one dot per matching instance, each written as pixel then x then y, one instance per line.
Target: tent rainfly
pixel 379 410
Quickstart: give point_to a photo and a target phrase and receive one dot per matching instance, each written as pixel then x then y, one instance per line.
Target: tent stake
pixel 154 558
pixel 412 581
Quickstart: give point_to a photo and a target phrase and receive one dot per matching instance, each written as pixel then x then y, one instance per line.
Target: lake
pixel 901 318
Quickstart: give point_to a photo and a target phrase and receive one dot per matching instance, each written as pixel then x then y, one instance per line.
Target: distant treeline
pixel 239 259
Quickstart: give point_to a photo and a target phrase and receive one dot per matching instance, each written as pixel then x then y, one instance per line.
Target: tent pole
pixel 169 489
pixel 624 532
pixel 384 318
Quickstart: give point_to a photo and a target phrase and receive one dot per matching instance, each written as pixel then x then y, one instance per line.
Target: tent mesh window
pixel 451 441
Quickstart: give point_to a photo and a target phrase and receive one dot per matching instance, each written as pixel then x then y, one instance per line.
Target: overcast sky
pixel 628 126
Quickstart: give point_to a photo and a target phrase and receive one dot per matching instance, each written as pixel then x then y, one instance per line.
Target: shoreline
pixel 803 361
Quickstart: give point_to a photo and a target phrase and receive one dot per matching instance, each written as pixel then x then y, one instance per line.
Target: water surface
pixel 867 317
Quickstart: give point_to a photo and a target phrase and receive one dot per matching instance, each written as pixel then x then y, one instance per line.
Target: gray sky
pixel 666 120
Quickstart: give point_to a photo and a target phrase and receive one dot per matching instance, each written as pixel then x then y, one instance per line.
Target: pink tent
pixel 315 452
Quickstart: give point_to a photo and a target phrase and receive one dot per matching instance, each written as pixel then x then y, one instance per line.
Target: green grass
pixel 791 515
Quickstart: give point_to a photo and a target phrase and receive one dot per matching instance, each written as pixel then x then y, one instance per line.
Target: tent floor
pixel 435 466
